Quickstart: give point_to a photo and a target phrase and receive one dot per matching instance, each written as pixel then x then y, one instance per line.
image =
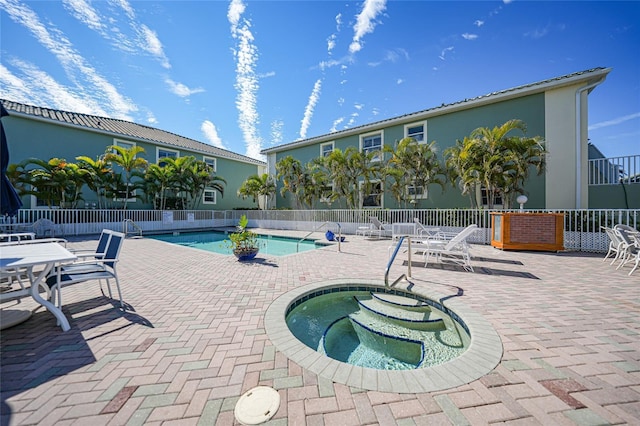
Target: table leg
pixel 35 293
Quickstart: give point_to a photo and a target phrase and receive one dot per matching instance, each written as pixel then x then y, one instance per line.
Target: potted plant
pixel 244 243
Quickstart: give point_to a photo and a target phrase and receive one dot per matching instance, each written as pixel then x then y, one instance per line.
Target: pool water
pixel 335 325
pixel 216 242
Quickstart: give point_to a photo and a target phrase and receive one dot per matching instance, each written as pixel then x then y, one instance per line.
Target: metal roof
pixel 121 128
pixel 591 75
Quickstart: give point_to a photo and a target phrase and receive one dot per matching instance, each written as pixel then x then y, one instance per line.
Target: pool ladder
pixel 320 226
pixel 128 224
pixel 393 257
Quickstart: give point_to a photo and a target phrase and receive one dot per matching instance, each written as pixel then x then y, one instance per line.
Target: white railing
pixel 614 170
pixel 582 228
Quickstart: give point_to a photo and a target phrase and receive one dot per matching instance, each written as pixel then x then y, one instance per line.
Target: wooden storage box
pixel 527 231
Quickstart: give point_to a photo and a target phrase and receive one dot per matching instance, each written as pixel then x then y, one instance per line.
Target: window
pixel 497 198
pixel 416 131
pixel 164 153
pixel 373 199
pixel 371 143
pixel 211 162
pixel 209 196
pixel 121 193
pixel 326 149
pixel 123 144
pixel 417 192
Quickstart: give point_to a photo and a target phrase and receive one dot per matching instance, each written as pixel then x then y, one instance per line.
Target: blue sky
pixel 247 75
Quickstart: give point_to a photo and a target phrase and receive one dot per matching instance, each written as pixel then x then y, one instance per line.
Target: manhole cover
pixel 257 405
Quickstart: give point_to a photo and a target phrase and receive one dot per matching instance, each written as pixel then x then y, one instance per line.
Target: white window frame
pixel 131 194
pixel 323 152
pixel 123 143
pixel 158 149
pixel 208 192
pixel 424 131
pixel 214 160
pixel 362 196
pixel 481 190
pixel 368 135
pixel 417 195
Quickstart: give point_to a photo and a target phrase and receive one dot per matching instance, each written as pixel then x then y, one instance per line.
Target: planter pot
pixel 244 255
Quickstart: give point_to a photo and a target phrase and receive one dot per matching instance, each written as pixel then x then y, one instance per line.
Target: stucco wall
pixel 37 139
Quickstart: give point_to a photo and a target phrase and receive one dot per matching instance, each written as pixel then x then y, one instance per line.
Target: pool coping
pixel 482 356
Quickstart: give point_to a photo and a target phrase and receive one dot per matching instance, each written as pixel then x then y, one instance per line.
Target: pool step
pixel 401 301
pixel 400 315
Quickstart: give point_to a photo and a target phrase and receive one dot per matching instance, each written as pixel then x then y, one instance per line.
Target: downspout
pixel 579 91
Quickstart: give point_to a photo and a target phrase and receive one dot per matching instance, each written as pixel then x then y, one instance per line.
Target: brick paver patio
pixel 193 341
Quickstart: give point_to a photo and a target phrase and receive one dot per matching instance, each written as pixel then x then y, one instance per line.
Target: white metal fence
pixel 582 228
pixel 614 170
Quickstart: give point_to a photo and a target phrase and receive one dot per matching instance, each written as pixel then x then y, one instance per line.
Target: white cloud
pixel 507 1
pixel 445 51
pixel 399 81
pixel 76 67
pixel 85 13
pixel 614 121
pixel 341 101
pixel 468 36
pixel 336 123
pixel 246 56
pixel 365 22
pixel 478 23
pixel 276 132
pixel 151 43
pixel 308 111
pixel 211 134
pixel 358 106
pixel 182 90
pixel 151 119
pixel 537 33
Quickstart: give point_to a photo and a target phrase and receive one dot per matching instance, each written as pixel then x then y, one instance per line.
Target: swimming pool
pixel 216 242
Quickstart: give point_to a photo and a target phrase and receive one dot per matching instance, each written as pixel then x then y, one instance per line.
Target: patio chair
pixel 98 253
pixel 44 227
pixel 379 229
pixel 83 271
pixel 426 231
pixel 615 245
pixel 455 250
pixel 628 249
pixel 636 243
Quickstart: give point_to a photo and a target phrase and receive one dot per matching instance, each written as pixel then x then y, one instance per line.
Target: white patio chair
pixel 455 250
pixel 628 248
pixel 636 260
pixel 44 227
pixel 615 245
pixel 426 231
pixel 99 269
pixel 379 229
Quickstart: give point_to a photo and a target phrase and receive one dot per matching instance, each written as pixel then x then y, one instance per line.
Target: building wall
pixel 444 129
pixel 44 140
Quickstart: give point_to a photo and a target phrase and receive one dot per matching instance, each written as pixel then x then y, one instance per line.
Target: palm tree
pixel 128 160
pixel 202 177
pixel 413 164
pixel 97 176
pixel 495 160
pixel 56 181
pixel 257 186
pixel 293 176
pixel 346 169
pixel 157 180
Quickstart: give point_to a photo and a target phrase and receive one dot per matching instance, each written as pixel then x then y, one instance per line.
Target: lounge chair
pixel 426 231
pixel 379 229
pixel 455 250
pixel 97 269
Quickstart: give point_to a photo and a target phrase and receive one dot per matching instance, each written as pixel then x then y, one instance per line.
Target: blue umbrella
pixel 10 202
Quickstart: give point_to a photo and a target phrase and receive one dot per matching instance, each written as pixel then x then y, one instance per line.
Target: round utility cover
pixel 257 405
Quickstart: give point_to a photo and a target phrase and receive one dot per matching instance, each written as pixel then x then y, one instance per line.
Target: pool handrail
pixel 305 237
pixel 393 257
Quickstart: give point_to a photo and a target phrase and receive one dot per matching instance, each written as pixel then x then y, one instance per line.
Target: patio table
pixel 29 256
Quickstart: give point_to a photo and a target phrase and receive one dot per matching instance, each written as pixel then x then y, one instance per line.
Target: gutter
pixel 579 91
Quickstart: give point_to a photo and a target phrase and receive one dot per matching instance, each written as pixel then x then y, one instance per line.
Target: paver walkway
pixel 193 341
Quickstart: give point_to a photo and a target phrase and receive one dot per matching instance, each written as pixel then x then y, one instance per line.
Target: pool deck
pixel 194 340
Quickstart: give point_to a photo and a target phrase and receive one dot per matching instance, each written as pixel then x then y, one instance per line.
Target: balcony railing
pixel 614 170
